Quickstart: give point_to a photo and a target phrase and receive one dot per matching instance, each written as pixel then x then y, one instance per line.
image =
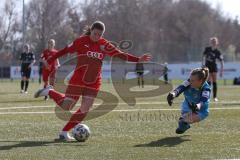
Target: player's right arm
pixel 220 58
pixel 204 57
pixel 177 91
pixel 72 48
pixel 20 57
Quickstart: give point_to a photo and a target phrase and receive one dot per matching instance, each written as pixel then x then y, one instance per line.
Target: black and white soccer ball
pixel 81 132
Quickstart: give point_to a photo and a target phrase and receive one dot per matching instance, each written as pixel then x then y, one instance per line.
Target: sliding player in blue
pixel 197 97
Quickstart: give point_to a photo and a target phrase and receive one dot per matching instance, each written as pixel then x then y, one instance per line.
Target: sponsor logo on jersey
pixel 206 94
pixel 95 55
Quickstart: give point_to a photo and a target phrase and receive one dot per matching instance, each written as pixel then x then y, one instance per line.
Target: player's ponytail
pixel 87 30
pixel 206 73
pixel 202 73
pixel 96 25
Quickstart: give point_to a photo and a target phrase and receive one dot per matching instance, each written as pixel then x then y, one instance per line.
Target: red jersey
pixel 90 56
pixel 48 54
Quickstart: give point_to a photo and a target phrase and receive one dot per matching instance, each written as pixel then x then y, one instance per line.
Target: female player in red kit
pixel 49 72
pixel 91 48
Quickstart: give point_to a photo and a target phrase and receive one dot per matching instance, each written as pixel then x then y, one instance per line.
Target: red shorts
pixel 48 75
pixel 79 78
pixel 76 91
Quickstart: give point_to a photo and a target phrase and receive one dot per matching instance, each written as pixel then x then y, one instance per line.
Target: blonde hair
pixel 214 39
pixel 52 40
pixel 202 73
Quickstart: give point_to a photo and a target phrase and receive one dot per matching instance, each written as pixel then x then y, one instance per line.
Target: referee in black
pixel 210 56
pixel 27 59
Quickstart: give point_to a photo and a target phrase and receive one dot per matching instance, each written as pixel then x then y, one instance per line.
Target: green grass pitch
pixel 145 131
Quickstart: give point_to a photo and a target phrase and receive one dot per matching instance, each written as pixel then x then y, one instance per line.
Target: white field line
pixel 122 110
pixel 124 104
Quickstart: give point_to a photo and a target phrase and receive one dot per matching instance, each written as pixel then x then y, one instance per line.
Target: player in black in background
pixel 40 67
pixel 210 56
pixel 27 59
pixel 165 73
pixel 140 71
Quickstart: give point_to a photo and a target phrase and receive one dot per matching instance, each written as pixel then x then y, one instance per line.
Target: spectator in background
pixel 140 72
pixel 165 73
pixel 40 72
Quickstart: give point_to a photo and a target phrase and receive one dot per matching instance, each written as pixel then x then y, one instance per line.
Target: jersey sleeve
pixel 43 56
pixel 72 48
pixel 181 88
pixel 33 57
pixel 205 51
pixel 21 57
pixel 205 97
pixel 111 51
pixel 219 56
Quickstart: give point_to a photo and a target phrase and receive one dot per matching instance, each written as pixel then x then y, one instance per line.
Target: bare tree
pixel 174 31
pixel 48 19
pixel 8 22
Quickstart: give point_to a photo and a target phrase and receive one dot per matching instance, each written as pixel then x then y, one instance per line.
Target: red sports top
pixel 47 54
pixel 90 56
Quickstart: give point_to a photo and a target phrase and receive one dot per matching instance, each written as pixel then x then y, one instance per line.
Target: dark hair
pixel 202 73
pixel 96 25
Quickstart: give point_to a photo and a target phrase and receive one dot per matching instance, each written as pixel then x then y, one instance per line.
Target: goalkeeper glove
pixel 170 98
pixel 194 107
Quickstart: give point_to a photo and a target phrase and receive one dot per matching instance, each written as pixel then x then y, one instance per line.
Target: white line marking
pixel 27 107
pixel 96 104
pixel 123 110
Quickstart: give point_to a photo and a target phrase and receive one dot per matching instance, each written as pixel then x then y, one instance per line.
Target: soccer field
pixel 145 131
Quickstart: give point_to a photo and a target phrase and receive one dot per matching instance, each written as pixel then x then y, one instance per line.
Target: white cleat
pixel 43 92
pixel 215 99
pixel 26 92
pixel 22 91
pixel 65 136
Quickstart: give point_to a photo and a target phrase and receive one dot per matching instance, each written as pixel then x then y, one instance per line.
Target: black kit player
pixel 27 59
pixel 210 57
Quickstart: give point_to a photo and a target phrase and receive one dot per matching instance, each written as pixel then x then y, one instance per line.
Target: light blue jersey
pixel 196 96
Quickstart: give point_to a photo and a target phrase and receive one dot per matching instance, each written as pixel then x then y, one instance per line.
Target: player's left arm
pixel 204 99
pixel 111 50
pixel 57 64
pixel 204 57
pixel 33 60
pixel 220 58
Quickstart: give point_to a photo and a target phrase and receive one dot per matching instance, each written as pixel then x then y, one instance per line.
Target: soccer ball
pixel 81 132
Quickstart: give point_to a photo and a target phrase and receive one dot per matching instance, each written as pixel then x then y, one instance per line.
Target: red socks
pixel 56 96
pixel 76 118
